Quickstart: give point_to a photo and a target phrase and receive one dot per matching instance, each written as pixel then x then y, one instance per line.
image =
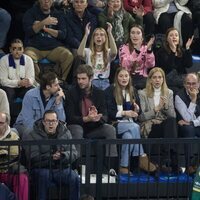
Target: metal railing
pixel 97 179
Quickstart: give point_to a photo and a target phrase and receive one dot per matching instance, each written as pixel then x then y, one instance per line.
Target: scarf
pixel 12 62
pixel 118 30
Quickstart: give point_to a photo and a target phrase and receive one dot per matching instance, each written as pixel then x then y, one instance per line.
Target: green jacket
pixel 127 23
pixel 196 186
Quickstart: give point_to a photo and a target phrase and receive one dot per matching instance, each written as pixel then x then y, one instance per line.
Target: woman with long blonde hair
pixel 158 118
pixel 100 54
pixel 123 109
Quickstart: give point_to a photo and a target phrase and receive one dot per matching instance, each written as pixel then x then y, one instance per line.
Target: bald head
pixel 191 82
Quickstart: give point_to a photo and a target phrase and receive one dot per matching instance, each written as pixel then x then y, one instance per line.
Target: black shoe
pixel 166 169
pixel 191 170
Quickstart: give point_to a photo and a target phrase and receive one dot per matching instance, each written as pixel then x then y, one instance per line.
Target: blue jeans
pixel 101 83
pixel 129 130
pixel 45 178
pixel 5 20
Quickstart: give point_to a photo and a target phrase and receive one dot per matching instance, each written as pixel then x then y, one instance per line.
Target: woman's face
pixel 99 37
pixel 173 37
pixel 157 80
pixel 123 78
pixel 115 5
pixel 136 36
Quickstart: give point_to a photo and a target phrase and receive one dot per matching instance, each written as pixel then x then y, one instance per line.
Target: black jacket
pixel 168 61
pixel 77 26
pixel 73 107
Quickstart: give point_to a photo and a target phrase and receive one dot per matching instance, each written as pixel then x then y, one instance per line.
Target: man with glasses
pixel 51 164
pixel 187 104
pixel 10 169
pixel 47 96
pixel 17 74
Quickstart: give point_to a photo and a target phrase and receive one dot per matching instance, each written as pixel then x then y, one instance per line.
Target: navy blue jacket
pixel 77 27
pixel 112 105
pixel 42 40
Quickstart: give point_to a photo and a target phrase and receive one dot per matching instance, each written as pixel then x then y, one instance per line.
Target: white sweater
pixel 9 76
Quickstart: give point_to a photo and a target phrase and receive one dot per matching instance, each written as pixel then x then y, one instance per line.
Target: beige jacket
pixel 4 105
pixel 8 154
pixel 147 107
pixel 148 117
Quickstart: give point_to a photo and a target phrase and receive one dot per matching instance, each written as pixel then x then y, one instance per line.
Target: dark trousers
pixel 45 178
pixel 189 131
pixel 139 81
pixel 167 129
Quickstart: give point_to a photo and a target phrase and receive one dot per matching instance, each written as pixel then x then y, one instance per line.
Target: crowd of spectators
pixel 152 96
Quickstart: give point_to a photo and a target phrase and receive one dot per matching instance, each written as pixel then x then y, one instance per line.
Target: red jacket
pixel 130 4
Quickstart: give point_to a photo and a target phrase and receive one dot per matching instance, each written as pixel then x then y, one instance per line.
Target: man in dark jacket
pixel 45 32
pixel 50 164
pixel 86 110
pixel 77 19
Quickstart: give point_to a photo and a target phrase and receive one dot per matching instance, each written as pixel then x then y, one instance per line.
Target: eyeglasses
pixel 191 83
pixel 50 121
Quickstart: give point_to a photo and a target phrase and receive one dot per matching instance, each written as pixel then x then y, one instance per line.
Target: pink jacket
pixel 144 59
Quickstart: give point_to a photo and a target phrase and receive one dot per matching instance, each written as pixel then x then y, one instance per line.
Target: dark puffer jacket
pixel 41 155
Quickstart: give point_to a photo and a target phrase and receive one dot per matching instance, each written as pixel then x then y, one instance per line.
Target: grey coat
pixel 147 107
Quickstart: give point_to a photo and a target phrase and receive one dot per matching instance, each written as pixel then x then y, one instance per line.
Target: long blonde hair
pixel 105 48
pixel 149 86
pixel 118 90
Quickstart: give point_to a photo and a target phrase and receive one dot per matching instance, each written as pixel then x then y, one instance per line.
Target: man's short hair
pixel 16 40
pixel 85 69
pixel 191 74
pixel 49 112
pixel 47 79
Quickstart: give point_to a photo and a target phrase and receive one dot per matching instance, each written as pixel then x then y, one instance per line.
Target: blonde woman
pixel 100 54
pixel 158 116
pixel 123 108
